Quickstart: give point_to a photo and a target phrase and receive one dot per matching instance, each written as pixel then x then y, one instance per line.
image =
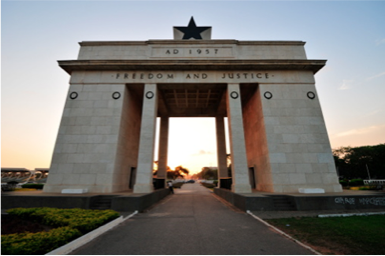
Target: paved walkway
pixel 192 221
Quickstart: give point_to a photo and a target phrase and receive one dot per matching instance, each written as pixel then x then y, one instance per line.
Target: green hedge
pixel 37 243
pixel 356 182
pixel 68 225
pixel 32 185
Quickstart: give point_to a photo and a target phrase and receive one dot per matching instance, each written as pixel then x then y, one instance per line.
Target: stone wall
pixel 299 150
pixel 86 146
pixel 256 142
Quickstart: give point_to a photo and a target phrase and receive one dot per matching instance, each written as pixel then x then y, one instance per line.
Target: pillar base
pixel 143 188
pixel 159 183
pixel 225 183
pixel 241 188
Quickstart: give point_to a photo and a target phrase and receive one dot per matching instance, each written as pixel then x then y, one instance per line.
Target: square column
pixel 163 148
pixel 241 183
pixel 221 148
pixel 143 183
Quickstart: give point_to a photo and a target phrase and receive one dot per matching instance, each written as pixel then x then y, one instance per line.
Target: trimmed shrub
pixel 68 225
pixel 81 219
pixel 344 183
pixel 356 182
pixel 32 185
pixel 37 243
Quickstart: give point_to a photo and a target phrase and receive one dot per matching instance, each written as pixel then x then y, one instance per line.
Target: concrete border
pixel 350 214
pixel 283 233
pixel 75 244
pixel 121 202
pixel 263 201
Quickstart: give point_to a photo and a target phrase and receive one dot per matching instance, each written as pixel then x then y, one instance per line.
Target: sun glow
pixel 191 143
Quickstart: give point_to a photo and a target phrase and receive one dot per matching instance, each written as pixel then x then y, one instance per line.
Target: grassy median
pixel 338 235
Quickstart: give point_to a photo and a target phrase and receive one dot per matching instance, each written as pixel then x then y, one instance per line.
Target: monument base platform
pixel 265 201
pixel 256 201
pixel 122 202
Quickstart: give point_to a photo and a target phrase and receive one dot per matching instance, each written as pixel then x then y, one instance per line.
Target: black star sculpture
pixel 192 31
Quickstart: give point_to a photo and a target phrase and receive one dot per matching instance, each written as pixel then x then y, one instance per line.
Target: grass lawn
pixel 363 235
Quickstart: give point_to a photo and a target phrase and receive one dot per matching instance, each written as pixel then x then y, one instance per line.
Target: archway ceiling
pixel 197 100
pixel 191 100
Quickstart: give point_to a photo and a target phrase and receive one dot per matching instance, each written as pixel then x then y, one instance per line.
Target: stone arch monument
pixel 266 89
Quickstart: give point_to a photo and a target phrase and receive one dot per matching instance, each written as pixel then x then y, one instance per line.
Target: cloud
pixel 346 84
pixel 376 76
pixel 380 41
pixel 364 130
pixel 202 152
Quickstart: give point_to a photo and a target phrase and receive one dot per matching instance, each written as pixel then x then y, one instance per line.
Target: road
pixel 191 222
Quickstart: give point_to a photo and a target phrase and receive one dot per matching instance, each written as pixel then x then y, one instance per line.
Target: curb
pixel 283 233
pixel 350 214
pixel 75 244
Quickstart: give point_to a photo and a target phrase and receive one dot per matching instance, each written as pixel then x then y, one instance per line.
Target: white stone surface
pixel 74 191
pixel 143 182
pixel 311 190
pixel 179 49
pixel 87 143
pixel 297 137
pixel 240 175
pixel 283 138
pixel 221 148
pixel 242 76
pixel 163 148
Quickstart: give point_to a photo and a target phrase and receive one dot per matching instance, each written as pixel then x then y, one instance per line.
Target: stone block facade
pixel 266 89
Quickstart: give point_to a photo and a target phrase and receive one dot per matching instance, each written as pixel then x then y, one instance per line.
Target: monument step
pixel 283 203
pixel 102 203
pixel 101 206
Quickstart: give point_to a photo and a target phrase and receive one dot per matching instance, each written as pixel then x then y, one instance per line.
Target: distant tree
pixel 208 173
pixel 352 162
pixel 179 171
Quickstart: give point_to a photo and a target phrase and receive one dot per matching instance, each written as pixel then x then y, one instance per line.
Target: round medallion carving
pixel 234 95
pixel 268 95
pixel 311 95
pixel 116 95
pixel 149 95
pixel 73 95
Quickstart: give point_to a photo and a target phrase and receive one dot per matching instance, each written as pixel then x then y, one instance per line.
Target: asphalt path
pixel 192 221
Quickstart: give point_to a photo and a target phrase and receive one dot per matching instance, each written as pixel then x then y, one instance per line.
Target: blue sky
pixel 35 34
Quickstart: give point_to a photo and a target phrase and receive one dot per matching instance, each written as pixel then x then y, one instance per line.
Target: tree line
pixel 179 171
pixel 360 162
pixel 207 173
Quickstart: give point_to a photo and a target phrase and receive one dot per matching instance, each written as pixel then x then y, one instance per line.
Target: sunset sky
pixel 35 34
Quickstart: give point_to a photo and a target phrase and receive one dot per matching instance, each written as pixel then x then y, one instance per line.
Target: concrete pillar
pixel 221 148
pixel 163 148
pixel 240 174
pixel 143 183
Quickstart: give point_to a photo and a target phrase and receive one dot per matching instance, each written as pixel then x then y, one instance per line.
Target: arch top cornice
pixel 184 65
